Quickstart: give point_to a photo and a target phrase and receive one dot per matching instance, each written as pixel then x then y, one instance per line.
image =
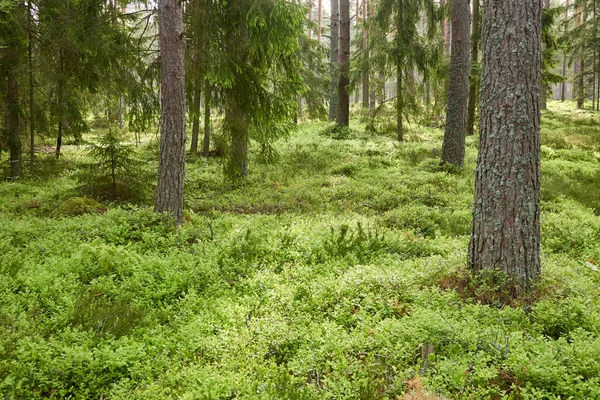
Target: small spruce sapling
pixel 115 173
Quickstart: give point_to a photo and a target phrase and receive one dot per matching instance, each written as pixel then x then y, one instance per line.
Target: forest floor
pixel 335 273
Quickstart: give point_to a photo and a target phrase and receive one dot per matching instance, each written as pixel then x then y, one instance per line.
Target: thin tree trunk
pixel 333 60
pixel 598 92
pixel 319 17
pixel 544 93
pixel 365 77
pixel 383 80
pixel 61 119
pixel 581 85
pixel 196 117
pixel 171 170
pixel 453 149
pixel 121 112
pixel 12 119
pixel 310 6
pixel 373 95
pixel 506 214
pixel 207 100
pixel 564 66
pixel 399 74
pixel 474 76
pixel 594 59
pixel 31 117
pixel 343 111
pixel 580 68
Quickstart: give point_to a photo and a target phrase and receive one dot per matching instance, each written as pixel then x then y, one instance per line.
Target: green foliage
pixel 114 172
pixel 324 277
pixel 79 206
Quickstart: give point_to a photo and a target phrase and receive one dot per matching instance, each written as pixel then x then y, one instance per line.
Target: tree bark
pixel 564 66
pixel 207 99
pixel 399 73
pixel 196 118
pixel 319 16
pixel 581 85
pixel 453 149
pixel 61 106
pixel 333 60
pixel 30 58
pixel 506 214
pixel 580 67
pixel 238 160
pixel 12 119
pixel 474 76
pixel 171 170
pixel 310 6
pixel 366 72
pixel 343 110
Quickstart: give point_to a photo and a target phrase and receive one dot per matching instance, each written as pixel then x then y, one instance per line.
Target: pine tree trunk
pixel 343 110
pixel 563 89
pixel 506 214
pixel 474 76
pixel 171 170
pixel 12 119
pixel 399 74
pixel 333 60
pixel 372 92
pixel 31 117
pixel 196 118
pixel 365 77
pixel 453 149
pixel 581 85
pixel 207 99
pixel 309 16
pixel 580 68
pixel 319 17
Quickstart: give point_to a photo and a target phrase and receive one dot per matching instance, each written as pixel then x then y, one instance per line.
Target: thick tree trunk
pixel 333 60
pixel 343 110
pixel 474 76
pixel 171 170
pixel 238 159
pixel 207 99
pixel 12 120
pixel 506 214
pixel 453 149
pixel 196 118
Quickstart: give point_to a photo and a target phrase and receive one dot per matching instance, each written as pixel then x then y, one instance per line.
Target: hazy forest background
pixel 338 199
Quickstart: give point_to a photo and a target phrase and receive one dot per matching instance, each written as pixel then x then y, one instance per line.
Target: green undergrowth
pixel 324 276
